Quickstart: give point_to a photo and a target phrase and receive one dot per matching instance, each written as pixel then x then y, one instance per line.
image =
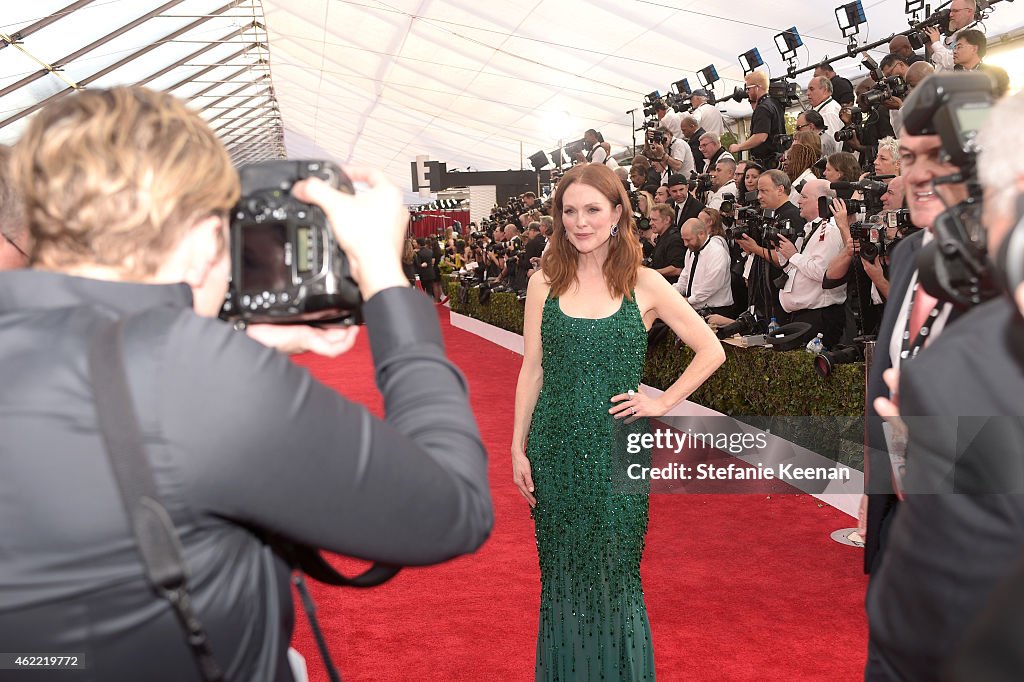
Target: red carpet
pixel 738 587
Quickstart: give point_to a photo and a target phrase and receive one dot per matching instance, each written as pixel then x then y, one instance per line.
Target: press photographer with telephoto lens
pixel 127 194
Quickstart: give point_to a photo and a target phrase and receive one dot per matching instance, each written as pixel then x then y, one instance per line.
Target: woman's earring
pixel 615 229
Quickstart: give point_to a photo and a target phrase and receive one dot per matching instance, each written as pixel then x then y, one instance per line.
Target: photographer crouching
pixel 127 195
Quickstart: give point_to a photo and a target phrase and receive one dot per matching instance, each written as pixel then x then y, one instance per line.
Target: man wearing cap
pixel 685 206
pixel 811 121
pixel 708 117
pixel 819 94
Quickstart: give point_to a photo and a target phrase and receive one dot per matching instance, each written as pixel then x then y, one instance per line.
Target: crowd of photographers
pixel 779 228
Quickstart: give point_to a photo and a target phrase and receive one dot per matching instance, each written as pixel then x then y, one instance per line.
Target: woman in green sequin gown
pixel 578 401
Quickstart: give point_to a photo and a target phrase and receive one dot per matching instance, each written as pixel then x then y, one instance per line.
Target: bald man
pixel 900 46
pixel 706 280
pixel 918 72
pixel 806 262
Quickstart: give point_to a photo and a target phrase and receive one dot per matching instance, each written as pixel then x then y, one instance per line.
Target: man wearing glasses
pixel 13 235
pixel 812 122
pixel 961 13
pixel 766 123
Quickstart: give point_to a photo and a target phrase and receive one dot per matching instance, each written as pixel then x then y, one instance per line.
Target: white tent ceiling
pixel 377 82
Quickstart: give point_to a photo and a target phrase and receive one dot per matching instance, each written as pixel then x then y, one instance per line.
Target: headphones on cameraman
pixel 1009 260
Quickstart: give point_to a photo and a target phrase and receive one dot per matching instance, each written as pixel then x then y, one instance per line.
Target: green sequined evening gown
pixel 590 530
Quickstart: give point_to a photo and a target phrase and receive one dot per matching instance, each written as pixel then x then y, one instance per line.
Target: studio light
pixel 708 76
pixel 539 160
pixel 750 60
pixel 682 87
pixel 787 42
pixel 914 6
pixel 850 17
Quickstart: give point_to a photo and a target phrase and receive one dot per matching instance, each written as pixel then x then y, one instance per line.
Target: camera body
pixel 699 184
pixel 893 86
pixel 764 227
pixel 286 265
pixel 728 204
pixel 785 92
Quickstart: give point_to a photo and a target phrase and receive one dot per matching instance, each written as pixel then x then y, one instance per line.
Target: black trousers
pixel 828 321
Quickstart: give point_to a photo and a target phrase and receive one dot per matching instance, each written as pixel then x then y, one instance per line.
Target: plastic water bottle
pixel 773 327
pixel 815 345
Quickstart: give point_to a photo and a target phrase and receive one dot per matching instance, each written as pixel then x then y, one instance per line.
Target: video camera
pixel 286 265
pixel 785 92
pixel 954 266
pixel 918 38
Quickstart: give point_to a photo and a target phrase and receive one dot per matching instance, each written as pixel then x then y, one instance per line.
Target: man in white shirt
pixel 672 151
pixel 819 94
pixel 708 117
pixel 805 264
pixel 667 119
pixel 706 280
pixel 961 14
pixel 722 183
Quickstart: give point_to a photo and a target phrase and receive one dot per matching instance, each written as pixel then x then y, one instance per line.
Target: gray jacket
pixel 241 439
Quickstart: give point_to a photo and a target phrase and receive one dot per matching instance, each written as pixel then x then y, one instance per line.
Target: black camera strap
pixel 151 525
pixel 158 543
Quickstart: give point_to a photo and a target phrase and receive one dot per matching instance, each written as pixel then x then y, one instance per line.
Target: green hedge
pixel 768 389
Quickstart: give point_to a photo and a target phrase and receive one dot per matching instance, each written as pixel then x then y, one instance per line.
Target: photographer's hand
pixel 329 342
pixel 375 252
pixel 748 245
pixel 933 35
pixel 785 248
pixel 841 216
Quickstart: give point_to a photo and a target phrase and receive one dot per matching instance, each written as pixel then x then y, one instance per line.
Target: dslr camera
pixel 286 265
pixel 699 184
pixel 893 86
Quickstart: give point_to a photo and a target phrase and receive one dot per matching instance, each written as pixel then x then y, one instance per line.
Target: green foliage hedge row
pixel 768 389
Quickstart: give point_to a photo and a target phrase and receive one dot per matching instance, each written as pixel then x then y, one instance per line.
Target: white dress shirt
pixel 942 54
pixel 715 200
pixel 806 270
pixel 829 110
pixel 806 176
pixel 712 284
pixel 680 151
pixel 709 118
pixel 670 122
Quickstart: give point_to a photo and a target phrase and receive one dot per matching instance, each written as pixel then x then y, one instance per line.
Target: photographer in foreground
pixel 959 530
pixel 127 195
